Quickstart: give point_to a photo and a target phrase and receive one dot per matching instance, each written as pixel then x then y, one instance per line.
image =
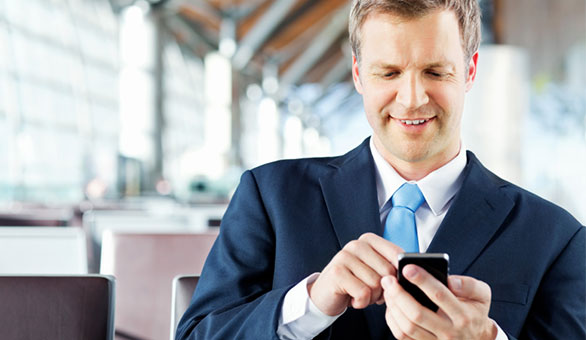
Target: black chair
pixel 57 307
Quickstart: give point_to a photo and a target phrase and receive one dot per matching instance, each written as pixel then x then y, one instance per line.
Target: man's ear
pixel 356 74
pixel 472 67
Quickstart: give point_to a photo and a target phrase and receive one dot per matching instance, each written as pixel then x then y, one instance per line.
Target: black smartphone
pixel 437 264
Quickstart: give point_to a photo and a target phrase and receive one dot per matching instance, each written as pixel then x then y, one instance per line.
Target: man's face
pixel 413 78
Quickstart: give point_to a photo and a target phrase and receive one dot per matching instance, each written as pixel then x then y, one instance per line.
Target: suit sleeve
pixel 235 297
pixel 559 307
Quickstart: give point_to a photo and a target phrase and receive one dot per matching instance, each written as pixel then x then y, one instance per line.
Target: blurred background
pixel 125 124
pixel 141 105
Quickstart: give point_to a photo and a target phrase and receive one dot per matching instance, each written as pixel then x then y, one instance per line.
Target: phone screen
pixel 436 264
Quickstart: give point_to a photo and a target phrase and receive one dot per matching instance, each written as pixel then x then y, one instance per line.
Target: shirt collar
pixel 438 187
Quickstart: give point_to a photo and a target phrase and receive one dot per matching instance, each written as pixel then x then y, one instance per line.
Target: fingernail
pixel 456 283
pixel 410 272
pixel 386 282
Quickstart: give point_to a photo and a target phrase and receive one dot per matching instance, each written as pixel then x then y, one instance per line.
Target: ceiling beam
pixel 260 32
pixel 245 10
pixel 202 6
pixel 341 69
pixel 322 42
pixel 189 36
pixel 246 23
pixel 304 18
pixel 201 12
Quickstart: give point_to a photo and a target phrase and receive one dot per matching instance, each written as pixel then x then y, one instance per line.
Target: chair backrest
pixel 27 216
pixel 42 250
pixel 96 222
pixel 57 307
pixel 183 288
pixel 196 219
pixel 144 266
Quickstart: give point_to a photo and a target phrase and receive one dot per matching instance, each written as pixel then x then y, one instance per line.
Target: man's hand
pixel 463 308
pixel 353 276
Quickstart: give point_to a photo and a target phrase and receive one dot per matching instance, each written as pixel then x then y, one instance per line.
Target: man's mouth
pixel 414 121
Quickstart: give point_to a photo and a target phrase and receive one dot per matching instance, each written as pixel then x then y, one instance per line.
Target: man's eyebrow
pixel 440 64
pixel 383 66
pixel 387 66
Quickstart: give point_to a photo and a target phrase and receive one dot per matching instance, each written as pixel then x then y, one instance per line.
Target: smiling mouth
pixel 414 121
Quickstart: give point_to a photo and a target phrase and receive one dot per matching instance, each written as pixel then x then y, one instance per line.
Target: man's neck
pixel 415 170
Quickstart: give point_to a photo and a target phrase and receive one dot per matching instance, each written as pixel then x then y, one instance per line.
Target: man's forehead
pixel 426 41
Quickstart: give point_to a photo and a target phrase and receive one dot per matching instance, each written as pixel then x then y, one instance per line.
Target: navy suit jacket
pixel 289 218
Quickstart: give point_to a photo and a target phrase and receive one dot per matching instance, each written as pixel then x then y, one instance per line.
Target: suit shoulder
pixel 289 169
pixel 314 166
pixel 528 204
pixel 292 164
pixel 540 208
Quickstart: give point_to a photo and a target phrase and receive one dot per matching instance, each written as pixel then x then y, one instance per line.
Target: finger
pixel 419 319
pixel 435 290
pixel 469 288
pixel 349 284
pixel 369 278
pixel 388 250
pixel 395 329
pixel 406 325
pixel 474 295
pixel 372 258
pixel 360 259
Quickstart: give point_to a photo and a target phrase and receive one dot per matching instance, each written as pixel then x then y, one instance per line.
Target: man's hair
pixel 467 12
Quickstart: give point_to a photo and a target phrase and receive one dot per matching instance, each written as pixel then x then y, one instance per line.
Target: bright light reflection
pixel 26 147
pixel 227 47
pixel 136 84
pixel 218 79
pixel 254 92
pixel 203 162
pixel 293 137
pixel 315 145
pixel 136 113
pixel 218 94
pixel 136 38
pixel 270 85
pixel 268 135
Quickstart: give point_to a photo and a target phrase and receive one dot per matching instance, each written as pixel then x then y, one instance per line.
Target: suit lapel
pixel 478 210
pixel 349 191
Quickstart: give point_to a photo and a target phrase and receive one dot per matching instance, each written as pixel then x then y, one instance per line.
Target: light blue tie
pixel 400 224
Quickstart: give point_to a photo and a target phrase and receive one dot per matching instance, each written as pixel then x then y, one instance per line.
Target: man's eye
pixel 435 74
pixel 390 74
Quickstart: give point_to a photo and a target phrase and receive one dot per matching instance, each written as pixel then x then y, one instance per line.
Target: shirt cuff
pixel 500 335
pixel 300 318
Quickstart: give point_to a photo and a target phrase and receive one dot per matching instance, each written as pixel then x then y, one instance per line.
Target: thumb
pixel 469 288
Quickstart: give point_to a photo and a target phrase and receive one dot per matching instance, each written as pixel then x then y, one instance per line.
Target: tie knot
pixel 408 196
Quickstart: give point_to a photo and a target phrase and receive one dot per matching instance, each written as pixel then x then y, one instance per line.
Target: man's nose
pixel 412 93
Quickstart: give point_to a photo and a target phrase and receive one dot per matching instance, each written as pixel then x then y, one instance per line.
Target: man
pixel 301 253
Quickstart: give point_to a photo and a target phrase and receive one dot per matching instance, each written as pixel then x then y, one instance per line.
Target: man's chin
pixel 409 152
pixel 411 155
pixel 414 157
pixel 414 152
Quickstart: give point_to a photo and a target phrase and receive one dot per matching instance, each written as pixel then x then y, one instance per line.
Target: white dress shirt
pixel 438 188
pixel 300 318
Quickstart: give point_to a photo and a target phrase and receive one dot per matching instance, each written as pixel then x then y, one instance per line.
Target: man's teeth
pixel 414 122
